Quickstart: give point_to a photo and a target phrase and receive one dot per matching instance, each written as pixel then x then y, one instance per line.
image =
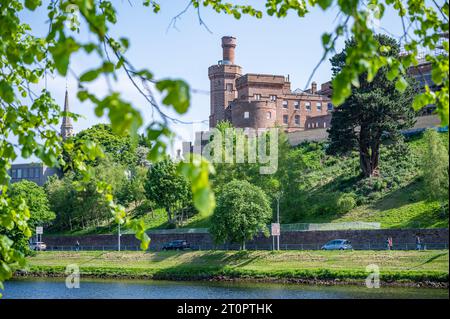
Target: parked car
pixel 176 245
pixel 40 245
pixel 338 244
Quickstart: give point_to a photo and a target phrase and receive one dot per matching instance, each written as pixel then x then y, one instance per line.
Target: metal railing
pixel 330 226
pixel 253 246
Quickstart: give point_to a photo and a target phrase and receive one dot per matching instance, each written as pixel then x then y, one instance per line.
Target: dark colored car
pixel 176 245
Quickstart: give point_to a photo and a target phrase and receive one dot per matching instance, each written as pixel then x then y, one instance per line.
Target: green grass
pixel 400 209
pixel 401 204
pixel 394 265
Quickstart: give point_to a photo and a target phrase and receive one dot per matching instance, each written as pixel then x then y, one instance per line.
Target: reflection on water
pixel 150 289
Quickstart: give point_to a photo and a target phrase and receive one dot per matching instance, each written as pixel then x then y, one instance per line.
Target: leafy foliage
pixel 434 164
pixel 120 148
pixel 373 109
pixel 36 200
pixel 26 58
pixel 242 211
pixel 167 189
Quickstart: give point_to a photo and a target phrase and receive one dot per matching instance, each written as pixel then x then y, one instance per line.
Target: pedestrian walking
pixel 390 243
pixel 418 243
pixel 77 246
pixel 387 244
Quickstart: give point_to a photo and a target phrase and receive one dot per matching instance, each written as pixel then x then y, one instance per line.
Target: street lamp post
pixel 118 238
pixel 278 219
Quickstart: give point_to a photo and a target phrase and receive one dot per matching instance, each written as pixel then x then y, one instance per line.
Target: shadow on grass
pixel 207 265
pixel 432 258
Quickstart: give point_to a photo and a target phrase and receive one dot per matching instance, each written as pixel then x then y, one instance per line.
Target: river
pixel 151 289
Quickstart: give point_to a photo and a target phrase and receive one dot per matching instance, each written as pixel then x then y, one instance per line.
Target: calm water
pixel 148 289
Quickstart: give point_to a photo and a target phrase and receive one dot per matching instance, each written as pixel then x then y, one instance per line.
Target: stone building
pixel 262 100
pixel 38 172
pixel 420 72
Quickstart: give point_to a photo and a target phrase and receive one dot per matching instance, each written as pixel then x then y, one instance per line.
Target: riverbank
pixel 402 268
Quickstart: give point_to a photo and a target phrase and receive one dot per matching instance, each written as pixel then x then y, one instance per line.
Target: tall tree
pixel 435 167
pixel 36 200
pixel 167 189
pixel 117 147
pixel 375 108
pixel 243 210
pixel 34 197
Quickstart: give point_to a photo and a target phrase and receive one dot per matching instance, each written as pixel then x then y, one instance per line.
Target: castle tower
pixel 66 125
pixel 222 78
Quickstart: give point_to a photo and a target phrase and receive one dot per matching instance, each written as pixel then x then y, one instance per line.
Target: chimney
pixel 228 45
pixel 313 88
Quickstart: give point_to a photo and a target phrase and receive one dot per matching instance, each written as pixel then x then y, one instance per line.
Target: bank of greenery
pixel 296 266
pixel 317 188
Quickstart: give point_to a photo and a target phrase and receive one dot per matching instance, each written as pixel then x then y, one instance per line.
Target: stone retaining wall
pixel 361 239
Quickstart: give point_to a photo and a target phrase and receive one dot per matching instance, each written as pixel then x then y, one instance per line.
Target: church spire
pixel 66 126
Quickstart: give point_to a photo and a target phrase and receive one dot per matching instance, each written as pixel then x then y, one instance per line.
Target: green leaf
pixel 401 84
pixel 6 92
pixel 89 76
pixel 32 4
pixel 392 74
pixel 324 4
pixel 177 94
pixel 422 100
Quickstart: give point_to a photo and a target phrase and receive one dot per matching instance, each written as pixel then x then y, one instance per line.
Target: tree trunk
pixel 169 215
pixel 369 153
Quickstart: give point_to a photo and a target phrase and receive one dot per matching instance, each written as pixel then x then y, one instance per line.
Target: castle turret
pixel 228 45
pixel 223 77
pixel 66 125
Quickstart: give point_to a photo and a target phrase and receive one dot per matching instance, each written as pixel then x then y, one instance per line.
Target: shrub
pixel 346 202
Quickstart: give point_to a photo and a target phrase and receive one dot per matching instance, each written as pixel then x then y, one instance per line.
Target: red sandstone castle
pixel 262 100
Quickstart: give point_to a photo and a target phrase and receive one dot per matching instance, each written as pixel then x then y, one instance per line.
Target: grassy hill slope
pixel 395 199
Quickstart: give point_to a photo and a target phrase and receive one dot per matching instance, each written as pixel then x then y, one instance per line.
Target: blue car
pixel 338 244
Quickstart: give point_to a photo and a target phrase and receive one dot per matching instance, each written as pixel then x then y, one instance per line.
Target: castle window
pixel 25 172
pixel 246 115
pixel 257 97
pixel 285 104
pixel 273 97
pixel 319 106
pixel 330 106
pixel 285 119
pixel 14 173
pixel 297 105
pixel 230 87
pixel 19 173
pixel 308 106
pixel 297 120
pixel 36 172
pixel 269 115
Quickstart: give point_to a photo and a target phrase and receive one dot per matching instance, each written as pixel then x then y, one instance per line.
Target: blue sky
pixel 287 46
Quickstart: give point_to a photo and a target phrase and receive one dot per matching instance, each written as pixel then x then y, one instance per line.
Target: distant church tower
pixel 222 78
pixel 66 126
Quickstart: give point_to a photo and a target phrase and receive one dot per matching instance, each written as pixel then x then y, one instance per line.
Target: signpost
pixel 39 231
pixel 275 231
